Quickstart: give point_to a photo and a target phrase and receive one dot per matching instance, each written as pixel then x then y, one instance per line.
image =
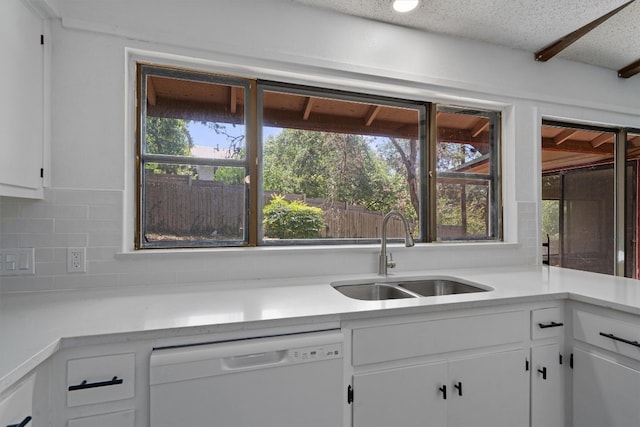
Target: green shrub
pixel 291 220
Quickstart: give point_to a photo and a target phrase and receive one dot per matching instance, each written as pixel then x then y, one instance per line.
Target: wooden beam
pixel 479 126
pixel 371 114
pixel 576 147
pixel 152 98
pixel 307 108
pixel 633 141
pixel 563 136
pixel 630 70
pixel 603 138
pixel 558 46
pixel 233 103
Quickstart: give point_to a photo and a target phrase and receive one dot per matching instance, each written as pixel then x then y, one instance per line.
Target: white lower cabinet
pixel 102 385
pixel 605 392
pixel 484 390
pixel 406 396
pixel 606 368
pixel 16 408
pixel 547 386
pixel 462 370
pixel 489 390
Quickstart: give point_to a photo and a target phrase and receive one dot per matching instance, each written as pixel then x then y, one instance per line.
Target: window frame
pixel 253 121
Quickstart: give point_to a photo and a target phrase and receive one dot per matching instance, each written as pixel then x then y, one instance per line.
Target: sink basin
pixel 409 288
pixel 373 291
pixel 434 287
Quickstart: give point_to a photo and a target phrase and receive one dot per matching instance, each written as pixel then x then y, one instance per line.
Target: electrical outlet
pixel 76 260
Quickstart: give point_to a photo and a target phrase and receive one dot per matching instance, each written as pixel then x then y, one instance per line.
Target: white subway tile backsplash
pixel 87 226
pixel 16 225
pixel 39 210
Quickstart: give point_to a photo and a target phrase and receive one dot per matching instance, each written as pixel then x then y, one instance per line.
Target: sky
pixel 204 136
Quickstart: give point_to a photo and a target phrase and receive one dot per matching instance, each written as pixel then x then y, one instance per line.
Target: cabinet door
pixel 547 387
pixel 407 397
pixel 492 391
pixel 21 105
pixel 605 393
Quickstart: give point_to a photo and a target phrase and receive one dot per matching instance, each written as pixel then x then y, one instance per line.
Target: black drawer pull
pixel 24 422
pixel 443 389
pixel 84 385
pixel 613 337
pixel 543 371
pixel 459 387
pixel 550 325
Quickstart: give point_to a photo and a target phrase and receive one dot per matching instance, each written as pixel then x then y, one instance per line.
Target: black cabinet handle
pixel 443 389
pixel 543 371
pixel 550 325
pixel 459 387
pixel 613 337
pixel 84 385
pixel 24 422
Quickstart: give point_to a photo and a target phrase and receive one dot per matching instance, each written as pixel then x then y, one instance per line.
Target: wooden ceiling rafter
pixel 233 102
pixel 633 141
pixel 583 147
pixel 563 136
pixel 371 114
pixel 152 97
pixel 479 126
pixel 630 70
pixel 308 105
pixel 558 46
pixel 601 139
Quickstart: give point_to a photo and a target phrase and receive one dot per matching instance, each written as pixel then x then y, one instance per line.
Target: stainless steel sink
pixel 373 291
pixel 410 288
pixel 434 287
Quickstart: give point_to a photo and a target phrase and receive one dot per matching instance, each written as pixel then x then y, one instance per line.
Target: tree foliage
pixel 335 167
pixel 168 136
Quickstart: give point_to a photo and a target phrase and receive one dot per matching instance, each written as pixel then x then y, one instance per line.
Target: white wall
pixel 95 43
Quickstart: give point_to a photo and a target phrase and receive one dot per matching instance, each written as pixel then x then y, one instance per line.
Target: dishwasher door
pixel 284 381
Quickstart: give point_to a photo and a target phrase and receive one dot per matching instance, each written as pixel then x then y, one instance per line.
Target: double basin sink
pixel 386 289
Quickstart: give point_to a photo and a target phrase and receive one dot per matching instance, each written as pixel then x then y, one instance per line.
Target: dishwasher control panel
pixel 316 353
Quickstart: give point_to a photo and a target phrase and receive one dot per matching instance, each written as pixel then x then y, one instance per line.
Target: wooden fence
pixel 178 204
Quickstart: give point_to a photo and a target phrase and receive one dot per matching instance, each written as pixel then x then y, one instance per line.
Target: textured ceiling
pixel 521 24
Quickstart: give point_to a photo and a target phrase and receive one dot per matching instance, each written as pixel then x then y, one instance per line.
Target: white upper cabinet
pixel 22 102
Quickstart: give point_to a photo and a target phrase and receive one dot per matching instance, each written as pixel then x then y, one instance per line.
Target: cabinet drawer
pixel 116 419
pixel 100 379
pixel 608 333
pixel 399 341
pixel 17 407
pixel 546 323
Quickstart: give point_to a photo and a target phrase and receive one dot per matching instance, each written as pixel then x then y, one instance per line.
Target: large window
pixel 589 197
pixel 239 162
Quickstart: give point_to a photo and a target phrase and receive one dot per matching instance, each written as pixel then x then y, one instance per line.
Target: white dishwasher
pixel 283 381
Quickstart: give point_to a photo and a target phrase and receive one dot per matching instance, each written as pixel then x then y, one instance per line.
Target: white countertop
pixel 33 325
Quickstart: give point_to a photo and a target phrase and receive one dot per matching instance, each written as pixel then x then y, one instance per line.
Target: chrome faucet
pixel 384 262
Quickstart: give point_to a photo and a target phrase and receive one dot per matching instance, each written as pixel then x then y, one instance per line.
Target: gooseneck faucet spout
pixel 384 261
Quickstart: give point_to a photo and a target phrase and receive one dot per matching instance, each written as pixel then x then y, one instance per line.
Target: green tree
pixel 335 167
pixel 168 136
pixel 403 156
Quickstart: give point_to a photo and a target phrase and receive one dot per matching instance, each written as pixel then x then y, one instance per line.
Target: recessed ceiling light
pixel 403 6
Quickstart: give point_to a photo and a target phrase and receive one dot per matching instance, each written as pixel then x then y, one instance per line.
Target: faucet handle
pixel 390 262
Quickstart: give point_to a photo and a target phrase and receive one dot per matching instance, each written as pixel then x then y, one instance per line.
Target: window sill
pixel 286 250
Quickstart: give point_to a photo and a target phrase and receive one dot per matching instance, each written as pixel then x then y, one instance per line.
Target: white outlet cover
pixel 76 260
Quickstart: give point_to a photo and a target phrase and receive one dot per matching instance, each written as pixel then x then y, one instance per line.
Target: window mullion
pixel 253 155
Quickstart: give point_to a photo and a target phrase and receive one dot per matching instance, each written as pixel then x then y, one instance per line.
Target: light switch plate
pixel 17 262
